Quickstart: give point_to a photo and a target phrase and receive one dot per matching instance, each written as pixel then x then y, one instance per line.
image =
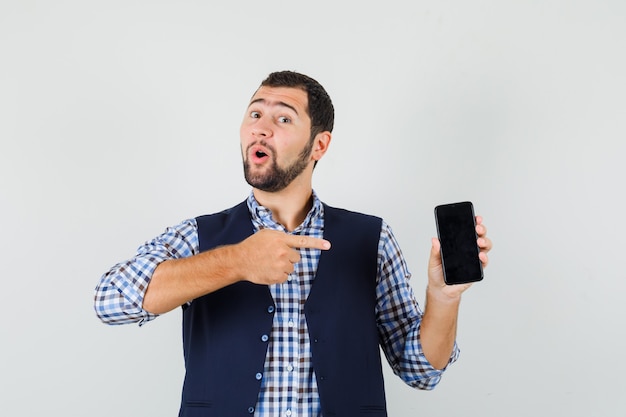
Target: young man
pixel 285 299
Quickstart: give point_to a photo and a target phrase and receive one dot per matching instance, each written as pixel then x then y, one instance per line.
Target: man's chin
pixel 262 183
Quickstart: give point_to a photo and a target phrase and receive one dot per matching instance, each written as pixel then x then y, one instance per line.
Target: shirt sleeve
pixel 120 292
pixel 399 318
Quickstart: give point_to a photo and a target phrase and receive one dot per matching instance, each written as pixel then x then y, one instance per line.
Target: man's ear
pixel 320 145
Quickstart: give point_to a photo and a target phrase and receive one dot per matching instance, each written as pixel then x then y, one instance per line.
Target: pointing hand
pixel 269 256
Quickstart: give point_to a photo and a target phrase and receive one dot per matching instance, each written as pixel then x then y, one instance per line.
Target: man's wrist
pixel 442 295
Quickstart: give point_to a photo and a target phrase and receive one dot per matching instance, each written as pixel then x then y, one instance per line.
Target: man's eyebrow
pixel 274 103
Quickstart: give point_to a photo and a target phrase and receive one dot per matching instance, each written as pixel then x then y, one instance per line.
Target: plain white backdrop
pixel 119 118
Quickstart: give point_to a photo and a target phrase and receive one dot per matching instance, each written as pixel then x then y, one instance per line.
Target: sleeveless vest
pixel 225 333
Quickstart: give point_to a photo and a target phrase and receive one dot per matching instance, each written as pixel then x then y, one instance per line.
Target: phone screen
pixel 456 227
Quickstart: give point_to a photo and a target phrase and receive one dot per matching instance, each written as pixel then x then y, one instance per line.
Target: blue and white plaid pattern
pixel 289 386
pixel 119 295
pixel 399 317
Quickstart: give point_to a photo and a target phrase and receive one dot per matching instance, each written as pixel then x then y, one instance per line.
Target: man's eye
pixel 284 119
pixel 255 114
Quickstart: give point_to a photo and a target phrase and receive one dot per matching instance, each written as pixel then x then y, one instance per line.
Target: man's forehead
pixel 293 97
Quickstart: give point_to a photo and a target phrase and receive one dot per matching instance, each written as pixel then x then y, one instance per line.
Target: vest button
pixel 265 338
pixel 250 410
pixel 258 376
pixel 270 309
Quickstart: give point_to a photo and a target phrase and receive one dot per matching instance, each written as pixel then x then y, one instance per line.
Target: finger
pixel 295 241
pixel 294 256
pixel 483 258
pixel 484 243
pixel 481 230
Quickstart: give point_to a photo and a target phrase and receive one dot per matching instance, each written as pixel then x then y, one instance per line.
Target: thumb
pixel 435 252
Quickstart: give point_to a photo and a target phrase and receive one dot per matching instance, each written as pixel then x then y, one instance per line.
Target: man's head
pixel 286 130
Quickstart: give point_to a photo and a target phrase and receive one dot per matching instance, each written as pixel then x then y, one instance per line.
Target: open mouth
pixel 259 155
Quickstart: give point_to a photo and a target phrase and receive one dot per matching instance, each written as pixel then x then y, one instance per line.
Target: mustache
pixel 262 143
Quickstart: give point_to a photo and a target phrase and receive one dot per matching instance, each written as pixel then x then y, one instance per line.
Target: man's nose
pixel 262 128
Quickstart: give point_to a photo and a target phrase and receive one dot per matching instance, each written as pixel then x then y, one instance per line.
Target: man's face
pixel 275 138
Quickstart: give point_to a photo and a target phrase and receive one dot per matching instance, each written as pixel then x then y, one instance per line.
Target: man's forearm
pixel 266 257
pixel 438 328
pixel 178 281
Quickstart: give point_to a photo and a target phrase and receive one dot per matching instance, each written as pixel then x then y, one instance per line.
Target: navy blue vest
pixel 225 333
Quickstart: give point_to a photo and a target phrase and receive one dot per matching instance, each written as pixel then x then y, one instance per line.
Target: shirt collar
pixel 262 216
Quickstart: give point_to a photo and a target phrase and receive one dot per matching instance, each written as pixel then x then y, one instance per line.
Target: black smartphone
pixel 456 228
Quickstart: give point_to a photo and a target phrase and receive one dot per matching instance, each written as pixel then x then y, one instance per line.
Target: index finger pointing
pixel 308 242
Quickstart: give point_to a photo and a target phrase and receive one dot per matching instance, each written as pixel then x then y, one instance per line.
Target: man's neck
pixel 289 207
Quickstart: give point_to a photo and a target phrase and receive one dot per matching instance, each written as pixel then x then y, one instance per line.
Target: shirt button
pixel 290 323
pixel 288 413
pixel 258 376
pixel 265 338
pixel 290 367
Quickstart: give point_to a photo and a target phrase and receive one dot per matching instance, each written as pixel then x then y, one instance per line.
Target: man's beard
pixel 277 178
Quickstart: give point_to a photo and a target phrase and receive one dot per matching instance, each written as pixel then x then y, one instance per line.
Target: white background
pixel 119 118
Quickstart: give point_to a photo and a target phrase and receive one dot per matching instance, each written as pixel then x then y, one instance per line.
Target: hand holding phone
pixel 456 228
